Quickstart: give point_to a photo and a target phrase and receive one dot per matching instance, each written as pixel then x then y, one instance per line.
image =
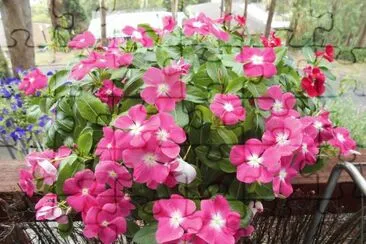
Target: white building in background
pixel 116 21
pixel 256 14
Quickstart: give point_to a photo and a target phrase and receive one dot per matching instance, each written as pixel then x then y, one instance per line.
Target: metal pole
pixel 357 178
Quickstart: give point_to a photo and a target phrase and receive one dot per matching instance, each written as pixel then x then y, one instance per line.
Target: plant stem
pixel 239 190
pixel 185 155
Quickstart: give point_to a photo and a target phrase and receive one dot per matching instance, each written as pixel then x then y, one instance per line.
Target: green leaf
pixel 313 168
pixel 132 228
pixel 180 114
pixel 118 74
pixel 149 31
pixel 217 72
pixel 308 53
pixel 256 90
pixel 235 85
pixel 162 57
pixel 261 191
pixel 85 140
pixel 223 135
pixel 68 167
pixel 65 123
pixel 146 235
pixel 201 78
pixel 66 229
pixel 196 95
pixel 92 109
pixel 202 153
pixel 280 53
pixel 58 79
pixel 145 212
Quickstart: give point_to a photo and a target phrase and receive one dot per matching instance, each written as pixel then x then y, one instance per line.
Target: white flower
pixel 184 173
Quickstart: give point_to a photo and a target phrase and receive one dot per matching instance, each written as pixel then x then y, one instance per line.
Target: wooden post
pixel 103 22
pixel 245 8
pixel 174 7
pixel 17 22
pixel 271 11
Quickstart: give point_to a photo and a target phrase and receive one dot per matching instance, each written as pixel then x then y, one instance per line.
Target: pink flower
pixel 272 41
pixel 179 67
pixel 228 108
pixel 220 224
pixel 163 90
pixel 62 153
pixel 47 209
pixel 199 25
pixel 103 223
pixel 282 181
pixel 33 81
pixel 255 161
pixel 313 82
pixel 110 147
pixel 149 163
pixel 343 141
pixel 258 62
pixel 109 93
pixel 285 134
pixel 169 135
pixel 306 154
pixel 80 70
pixel 241 20
pixel 318 127
pixel 328 53
pixel 227 18
pixel 83 40
pixel 113 174
pixel 121 201
pixel 26 182
pixel 137 130
pixel 218 32
pixel 280 104
pixel 46 170
pixel 113 52
pixel 81 190
pixel 176 217
pixel 139 35
pixel 169 23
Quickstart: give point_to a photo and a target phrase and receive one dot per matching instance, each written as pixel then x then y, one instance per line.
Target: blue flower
pixel 6 94
pixel 5 111
pixel 17 134
pixel 8 123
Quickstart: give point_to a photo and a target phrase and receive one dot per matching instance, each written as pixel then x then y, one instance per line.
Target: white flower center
pixel 282 139
pixel 80 66
pixel 31 80
pixel 197 24
pixel 163 89
pixel 102 60
pixel 282 175
pixel 137 35
pixel 149 159
pixel 112 174
pixel 82 40
pixel 136 129
pixel 105 223
pixel 304 148
pixel 257 59
pixel 228 107
pixel 176 219
pixel 162 135
pixel 109 145
pixel 217 221
pixel 255 161
pixel 340 137
pixel 318 125
pixel 109 92
pixel 85 191
pixel 277 106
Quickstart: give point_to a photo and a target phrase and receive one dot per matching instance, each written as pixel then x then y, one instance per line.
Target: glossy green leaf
pixel 85 140
pixel 146 235
pixel 92 109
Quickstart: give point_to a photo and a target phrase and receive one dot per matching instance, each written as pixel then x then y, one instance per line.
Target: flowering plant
pixel 21 124
pixel 175 134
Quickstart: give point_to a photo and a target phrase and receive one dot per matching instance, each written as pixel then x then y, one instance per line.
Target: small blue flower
pixel 8 123
pixel 5 111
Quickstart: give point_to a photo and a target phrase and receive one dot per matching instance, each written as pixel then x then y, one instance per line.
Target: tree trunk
pixel 228 6
pixel 103 22
pixel 4 70
pixel 55 10
pixel 271 11
pixel 245 8
pixel 362 37
pixel 174 8
pixel 17 22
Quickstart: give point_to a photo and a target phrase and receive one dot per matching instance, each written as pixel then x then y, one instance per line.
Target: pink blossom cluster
pixel 215 222
pixel 32 82
pixel 149 146
pixel 289 143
